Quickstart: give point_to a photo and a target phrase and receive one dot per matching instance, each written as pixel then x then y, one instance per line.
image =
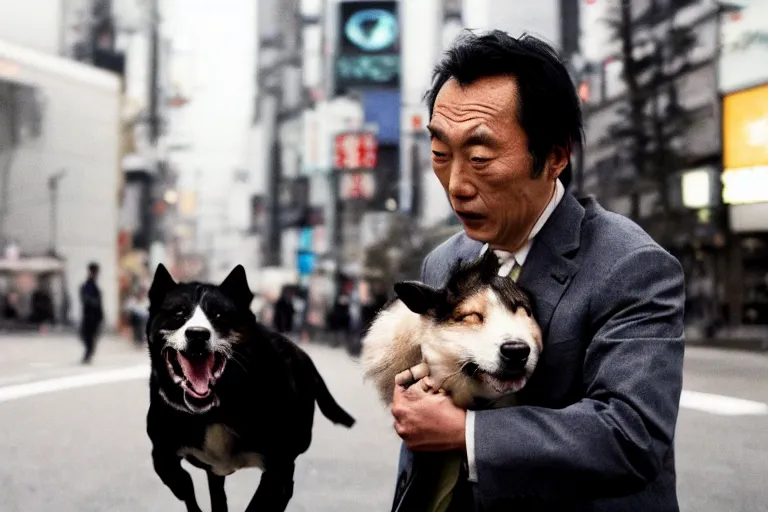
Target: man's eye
pixel 439 154
pixel 479 160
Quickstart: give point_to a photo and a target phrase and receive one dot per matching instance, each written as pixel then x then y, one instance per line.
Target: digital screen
pixel 369 46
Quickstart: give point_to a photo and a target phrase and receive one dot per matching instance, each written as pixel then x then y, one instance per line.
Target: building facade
pixel 685 206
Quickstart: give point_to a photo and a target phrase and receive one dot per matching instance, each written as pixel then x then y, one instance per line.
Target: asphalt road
pixel 84 449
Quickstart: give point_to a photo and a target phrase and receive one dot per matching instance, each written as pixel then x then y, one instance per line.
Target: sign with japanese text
pixel 355 151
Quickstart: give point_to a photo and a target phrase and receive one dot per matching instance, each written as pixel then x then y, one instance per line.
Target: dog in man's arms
pixel 227 393
pixel 475 338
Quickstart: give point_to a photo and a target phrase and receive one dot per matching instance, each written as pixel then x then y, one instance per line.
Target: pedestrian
pixel 595 429
pixel 137 309
pixel 93 313
pixel 284 312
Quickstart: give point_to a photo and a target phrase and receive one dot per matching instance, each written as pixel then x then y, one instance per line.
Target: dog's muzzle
pixel 196 368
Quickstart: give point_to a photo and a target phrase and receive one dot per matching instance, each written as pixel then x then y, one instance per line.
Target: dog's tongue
pixel 198 372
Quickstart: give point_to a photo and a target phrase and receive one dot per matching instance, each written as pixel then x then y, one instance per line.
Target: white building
pixel 70 129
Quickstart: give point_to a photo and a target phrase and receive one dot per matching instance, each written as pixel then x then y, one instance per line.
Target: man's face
pixel 480 155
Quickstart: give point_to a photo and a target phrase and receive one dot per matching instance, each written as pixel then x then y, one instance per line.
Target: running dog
pixel 227 393
pixel 476 337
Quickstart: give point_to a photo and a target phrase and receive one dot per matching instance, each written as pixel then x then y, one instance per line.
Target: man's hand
pixel 426 419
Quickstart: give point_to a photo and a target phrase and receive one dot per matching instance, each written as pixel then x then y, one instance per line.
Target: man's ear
pixel 418 297
pixel 236 286
pixel 162 283
pixel 557 162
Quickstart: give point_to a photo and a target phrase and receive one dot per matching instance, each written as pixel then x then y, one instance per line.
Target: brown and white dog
pixel 475 337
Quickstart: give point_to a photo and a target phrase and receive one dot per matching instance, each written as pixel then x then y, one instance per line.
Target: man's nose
pixel 459 185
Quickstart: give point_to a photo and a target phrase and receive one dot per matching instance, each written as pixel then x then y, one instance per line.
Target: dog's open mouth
pixel 503 383
pixel 196 373
pixel 500 382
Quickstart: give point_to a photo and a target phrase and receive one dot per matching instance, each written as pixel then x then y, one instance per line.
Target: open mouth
pixel 470 216
pixel 508 381
pixel 196 373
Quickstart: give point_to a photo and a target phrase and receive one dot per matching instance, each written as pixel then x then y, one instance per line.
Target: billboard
pixel 368 46
pixel 355 151
pixel 744 36
pixel 745 146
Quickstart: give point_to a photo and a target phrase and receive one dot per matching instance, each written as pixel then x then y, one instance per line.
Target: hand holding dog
pixel 426 419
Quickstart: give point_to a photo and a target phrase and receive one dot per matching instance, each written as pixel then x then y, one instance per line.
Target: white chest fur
pixel 218 451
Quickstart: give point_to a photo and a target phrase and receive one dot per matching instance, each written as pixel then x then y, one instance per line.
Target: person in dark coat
pixel 284 312
pixel 93 313
pixel 595 427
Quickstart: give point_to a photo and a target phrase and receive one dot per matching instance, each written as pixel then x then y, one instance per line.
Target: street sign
pixel 355 151
pixel 357 185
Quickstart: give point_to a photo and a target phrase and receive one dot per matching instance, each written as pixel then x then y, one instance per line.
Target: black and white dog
pixel 226 392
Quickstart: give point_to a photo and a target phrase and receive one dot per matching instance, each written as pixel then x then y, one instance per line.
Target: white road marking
pixel 705 402
pixel 721 405
pixel 17 391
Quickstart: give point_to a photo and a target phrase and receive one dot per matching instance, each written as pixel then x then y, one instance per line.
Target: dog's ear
pixel 489 265
pixel 236 286
pixel 162 283
pixel 418 297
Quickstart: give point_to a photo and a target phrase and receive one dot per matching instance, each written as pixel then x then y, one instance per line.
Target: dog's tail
pixel 327 403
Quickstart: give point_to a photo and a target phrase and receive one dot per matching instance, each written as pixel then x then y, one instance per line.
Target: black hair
pixel 93 267
pixel 549 109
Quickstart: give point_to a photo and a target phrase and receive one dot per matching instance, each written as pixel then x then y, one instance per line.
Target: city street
pixel 72 438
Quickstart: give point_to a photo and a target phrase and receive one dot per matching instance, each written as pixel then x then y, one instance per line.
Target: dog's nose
pixel 197 334
pixel 515 351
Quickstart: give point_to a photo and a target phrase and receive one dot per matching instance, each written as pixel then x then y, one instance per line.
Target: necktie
pixel 515 274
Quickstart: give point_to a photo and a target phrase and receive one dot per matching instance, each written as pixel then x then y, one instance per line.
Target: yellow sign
pixel 745 129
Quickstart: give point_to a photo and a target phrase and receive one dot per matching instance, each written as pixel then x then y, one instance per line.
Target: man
pixel 596 428
pixel 93 314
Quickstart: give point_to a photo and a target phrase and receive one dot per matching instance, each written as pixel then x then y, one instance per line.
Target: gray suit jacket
pixel 597 428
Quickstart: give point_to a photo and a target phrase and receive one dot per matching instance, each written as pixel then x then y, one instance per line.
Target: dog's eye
pixel 179 313
pixel 471 318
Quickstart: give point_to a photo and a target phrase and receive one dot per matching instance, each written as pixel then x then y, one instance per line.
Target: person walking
pixel 137 308
pixel 93 313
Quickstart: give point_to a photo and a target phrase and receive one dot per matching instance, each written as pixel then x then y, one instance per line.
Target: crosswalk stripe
pixel 18 391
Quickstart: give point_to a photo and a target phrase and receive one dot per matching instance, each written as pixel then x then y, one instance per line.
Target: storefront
pixel 745 190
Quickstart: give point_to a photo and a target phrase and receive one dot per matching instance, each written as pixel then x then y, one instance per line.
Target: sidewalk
pixel 31 356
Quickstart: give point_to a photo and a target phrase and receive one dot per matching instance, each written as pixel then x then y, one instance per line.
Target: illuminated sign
pixel 744 39
pixel 745 186
pixel 355 151
pixel 745 146
pixel 368 46
pixel 745 129
pixel 372 30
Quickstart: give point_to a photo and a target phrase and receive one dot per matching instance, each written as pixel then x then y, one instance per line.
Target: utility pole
pixel 53 188
pixel 154 43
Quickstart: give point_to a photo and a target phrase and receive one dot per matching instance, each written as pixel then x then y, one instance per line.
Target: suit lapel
pixel 552 262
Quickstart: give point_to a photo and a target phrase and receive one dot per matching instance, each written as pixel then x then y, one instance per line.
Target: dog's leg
pixel 216 489
pixel 275 490
pixel 168 468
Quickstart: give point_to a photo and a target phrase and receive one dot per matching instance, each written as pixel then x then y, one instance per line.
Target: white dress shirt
pixel 508 262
